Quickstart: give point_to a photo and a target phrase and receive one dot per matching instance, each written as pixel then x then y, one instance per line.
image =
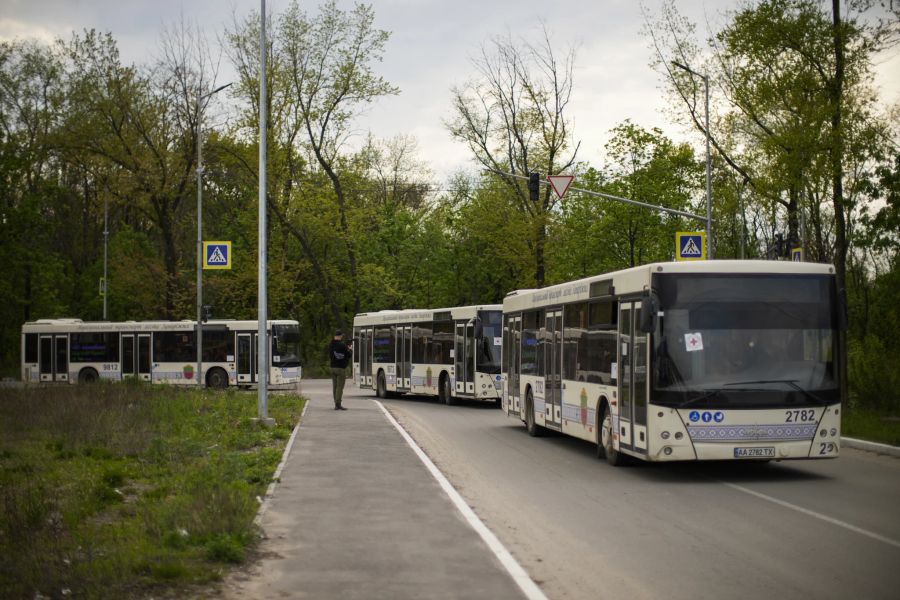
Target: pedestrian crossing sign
pixel 217 255
pixel 690 245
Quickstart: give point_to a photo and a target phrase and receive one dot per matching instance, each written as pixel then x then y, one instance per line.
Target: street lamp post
pixel 199 114
pixel 709 239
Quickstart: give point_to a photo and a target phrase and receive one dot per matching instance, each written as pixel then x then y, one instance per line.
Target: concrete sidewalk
pixel 357 515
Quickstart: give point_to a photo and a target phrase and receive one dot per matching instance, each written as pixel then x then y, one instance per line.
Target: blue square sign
pixel 217 255
pixel 690 245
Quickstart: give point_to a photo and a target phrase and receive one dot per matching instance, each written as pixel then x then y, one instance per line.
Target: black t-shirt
pixel 339 354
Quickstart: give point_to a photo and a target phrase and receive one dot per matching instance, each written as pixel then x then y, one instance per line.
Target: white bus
pixel 709 360
pixel 75 351
pixel 450 353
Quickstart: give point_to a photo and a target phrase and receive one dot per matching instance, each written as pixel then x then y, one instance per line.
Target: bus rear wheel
pixel 380 387
pixel 217 378
pixel 534 430
pixel 605 448
pixel 87 376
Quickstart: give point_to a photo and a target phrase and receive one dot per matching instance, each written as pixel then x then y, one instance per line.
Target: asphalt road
pixel 584 529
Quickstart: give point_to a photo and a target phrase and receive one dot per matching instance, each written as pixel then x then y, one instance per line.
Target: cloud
pixel 11 29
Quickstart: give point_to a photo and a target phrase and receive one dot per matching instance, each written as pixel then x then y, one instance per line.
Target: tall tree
pixel 513 119
pixel 322 76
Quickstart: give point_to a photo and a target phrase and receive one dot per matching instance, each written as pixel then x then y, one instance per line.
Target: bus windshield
pixel 746 340
pixel 285 346
pixel 489 342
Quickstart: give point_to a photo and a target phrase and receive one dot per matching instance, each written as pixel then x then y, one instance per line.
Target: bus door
pixel 403 337
pixel 136 358
pixel 552 364
pixel 364 357
pixel 632 379
pixel 247 344
pixel 513 350
pixel 464 356
pixel 143 356
pixel 53 358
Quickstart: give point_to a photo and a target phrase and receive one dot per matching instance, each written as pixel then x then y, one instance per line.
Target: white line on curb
pixel 515 570
pixel 264 506
pixel 817 515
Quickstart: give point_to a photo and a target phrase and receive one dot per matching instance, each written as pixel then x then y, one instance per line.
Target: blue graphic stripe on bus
pixel 751 433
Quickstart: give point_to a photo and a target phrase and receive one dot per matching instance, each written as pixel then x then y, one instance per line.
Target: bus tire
pixel 446 392
pixel 534 430
pixel 605 448
pixel 380 386
pixel 88 376
pixel 217 378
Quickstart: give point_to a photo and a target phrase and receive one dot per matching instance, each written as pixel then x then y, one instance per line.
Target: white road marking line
pixel 515 570
pixel 816 515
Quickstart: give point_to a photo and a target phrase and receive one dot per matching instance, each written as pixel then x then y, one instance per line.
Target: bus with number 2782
pixel 712 360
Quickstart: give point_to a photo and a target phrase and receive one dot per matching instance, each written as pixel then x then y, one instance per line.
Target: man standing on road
pixel 339 353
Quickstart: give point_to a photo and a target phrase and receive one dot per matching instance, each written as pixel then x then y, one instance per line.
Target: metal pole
pixel 105 252
pixel 743 219
pixel 709 234
pixel 671 211
pixel 262 355
pixel 199 243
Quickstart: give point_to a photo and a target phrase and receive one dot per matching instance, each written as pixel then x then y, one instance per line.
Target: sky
pixel 431 48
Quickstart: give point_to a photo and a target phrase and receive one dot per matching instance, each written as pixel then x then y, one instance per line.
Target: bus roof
pixel 636 279
pixel 419 315
pixel 77 325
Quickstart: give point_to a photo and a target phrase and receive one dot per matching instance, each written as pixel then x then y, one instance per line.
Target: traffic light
pixel 533 186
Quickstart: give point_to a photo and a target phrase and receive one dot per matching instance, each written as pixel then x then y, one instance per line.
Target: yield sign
pixel 560 183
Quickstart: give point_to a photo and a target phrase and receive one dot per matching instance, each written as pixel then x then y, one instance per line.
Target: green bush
pixel 873 377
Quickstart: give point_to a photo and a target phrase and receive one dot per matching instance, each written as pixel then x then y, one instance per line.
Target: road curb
pixel 870 446
pixel 270 491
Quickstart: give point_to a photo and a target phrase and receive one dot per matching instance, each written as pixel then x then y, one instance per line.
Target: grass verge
pixel 871 426
pixel 129 490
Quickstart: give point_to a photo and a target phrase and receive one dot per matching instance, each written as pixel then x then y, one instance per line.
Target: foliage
pixel 123 489
pixel 801 149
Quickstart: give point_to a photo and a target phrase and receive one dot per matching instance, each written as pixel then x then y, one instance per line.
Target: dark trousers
pixel 338 377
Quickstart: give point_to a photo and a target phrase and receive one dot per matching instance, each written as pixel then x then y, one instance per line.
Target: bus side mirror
pixel 478 328
pixel 648 315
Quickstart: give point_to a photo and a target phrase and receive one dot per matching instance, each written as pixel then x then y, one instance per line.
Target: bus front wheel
pixel 217 378
pixel 534 430
pixel 605 448
pixel 88 375
pixel 380 387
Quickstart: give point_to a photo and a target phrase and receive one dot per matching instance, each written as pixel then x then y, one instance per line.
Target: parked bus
pixel 450 353
pixel 709 360
pixel 75 351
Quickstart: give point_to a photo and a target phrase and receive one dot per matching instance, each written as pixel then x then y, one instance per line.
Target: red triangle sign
pixel 560 183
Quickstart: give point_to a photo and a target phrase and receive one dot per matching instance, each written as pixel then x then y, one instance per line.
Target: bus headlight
pixel 678 435
pixel 833 431
pixel 823 433
pixel 664 435
pixel 667 451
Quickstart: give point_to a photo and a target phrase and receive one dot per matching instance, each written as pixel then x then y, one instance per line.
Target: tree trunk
pixel 837 175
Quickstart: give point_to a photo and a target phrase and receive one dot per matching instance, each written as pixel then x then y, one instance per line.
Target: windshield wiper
pixel 700 398
pixel 790 382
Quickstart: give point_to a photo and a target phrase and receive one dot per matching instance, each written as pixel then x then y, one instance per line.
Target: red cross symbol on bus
pixel 693 342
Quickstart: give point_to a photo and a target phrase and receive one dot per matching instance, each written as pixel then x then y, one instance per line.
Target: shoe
pixel 340 408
